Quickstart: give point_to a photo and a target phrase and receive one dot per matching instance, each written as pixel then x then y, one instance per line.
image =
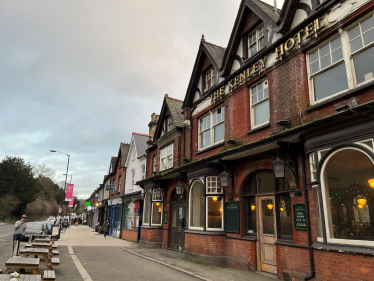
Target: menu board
pixel 232 217
pixel 299 215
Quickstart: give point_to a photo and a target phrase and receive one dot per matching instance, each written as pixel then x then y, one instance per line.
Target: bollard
pixel 15 248
pixel 30 239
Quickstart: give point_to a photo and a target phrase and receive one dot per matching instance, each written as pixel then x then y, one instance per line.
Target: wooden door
pixel 266 234
pixel 178 223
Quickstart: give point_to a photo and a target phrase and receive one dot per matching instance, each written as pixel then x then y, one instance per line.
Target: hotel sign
pixel 310 30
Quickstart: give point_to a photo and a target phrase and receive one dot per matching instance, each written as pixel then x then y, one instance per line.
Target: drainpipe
pixel 191 126
pixel 306 200
pixel 184 143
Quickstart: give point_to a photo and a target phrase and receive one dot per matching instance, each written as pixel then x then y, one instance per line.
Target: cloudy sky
pixel 81 76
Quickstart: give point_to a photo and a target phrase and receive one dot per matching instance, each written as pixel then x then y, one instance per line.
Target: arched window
pixel 197 206
pixel 147 208
pixel 348 197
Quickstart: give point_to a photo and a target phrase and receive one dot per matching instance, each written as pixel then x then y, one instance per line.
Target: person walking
pixel 106 228
pixel 19 230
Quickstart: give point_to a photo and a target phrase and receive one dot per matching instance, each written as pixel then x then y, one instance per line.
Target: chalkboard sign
pixel 299 215
pixel 232 217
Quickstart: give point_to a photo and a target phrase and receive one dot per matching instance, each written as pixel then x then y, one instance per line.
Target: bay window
pixel 167 157
pixel 212 128
pixel 157 209
pixel 147 208
pixel 214 204
pixel 260 111
pixel 342 63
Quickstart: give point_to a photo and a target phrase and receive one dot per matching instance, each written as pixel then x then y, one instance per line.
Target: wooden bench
pixel 49 275
pixel 46 240
pixel 55 252
pixel 55 261
pixel 23 277
pixel 22 264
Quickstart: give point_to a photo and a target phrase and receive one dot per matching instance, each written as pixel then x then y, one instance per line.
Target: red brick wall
pixel 243 250
pixel 205 244
pixel 206 64
pixel 130 235
pixel 343 267
pixel 151 234
pixel 150 162
pixel 294 261
pixel 251 21
pixel 120 172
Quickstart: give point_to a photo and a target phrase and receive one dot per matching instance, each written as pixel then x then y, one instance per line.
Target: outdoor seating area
pixel 31 257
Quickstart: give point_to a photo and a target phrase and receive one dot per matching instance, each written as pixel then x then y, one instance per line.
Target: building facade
pixel 267 164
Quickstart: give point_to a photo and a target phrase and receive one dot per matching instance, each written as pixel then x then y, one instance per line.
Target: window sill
pixel 258 128
pixel 342 95
pixel 245 238
pixel 290 244
pixel 202 232
pixel 345 249
pixel 210 147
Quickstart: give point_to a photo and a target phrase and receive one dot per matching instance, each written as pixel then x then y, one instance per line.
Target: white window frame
pixel 347 60
pixel 156 199
pixel 145 209
pixel 209 186
pixel 259 33
pixel 313 166
pixel 143 171
pixel 119 183
pixel 212 127
pixel 162 213
pixel 209 77
pixel 189 209
pixel 206 216
pixel 133 177
pixel 165 153
pixel 154 163
pixel 253 105
pixel 327 212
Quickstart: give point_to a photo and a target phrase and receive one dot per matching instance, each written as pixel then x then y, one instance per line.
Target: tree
pixel 17 179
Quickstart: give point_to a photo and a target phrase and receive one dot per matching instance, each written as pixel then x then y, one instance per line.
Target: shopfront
pixel 132 217
pixel 115 216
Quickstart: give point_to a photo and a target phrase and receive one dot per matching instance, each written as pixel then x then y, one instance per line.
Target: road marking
pixel 168 265
pixel 79 266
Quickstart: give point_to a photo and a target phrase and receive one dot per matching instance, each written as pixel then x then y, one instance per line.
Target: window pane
pixel 262 113
pixel 364 65
pixel 336 43
pixel 330 82
pixel 254 98
pixel 314 67
pixel 285 215
pixel 146 209
pixel 348 193
pixel 219 132
pixel 368 36
pixel 356 44
pixel 267 216
pixel 170 161
pixel 214 213
pixel 367 24
pixel 156 213
pixel 260 95
pixel 324 50
pixel 253 49
pixel 313 56
pixel 337 55
pixel 265 182
pixel 354 32
pixel 266 92
pixel 251 215
pixel 197 205
pixel 205 138
pixel 325 61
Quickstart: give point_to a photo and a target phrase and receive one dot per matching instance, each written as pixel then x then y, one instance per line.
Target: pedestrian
pixel 106 228
pixel 19 231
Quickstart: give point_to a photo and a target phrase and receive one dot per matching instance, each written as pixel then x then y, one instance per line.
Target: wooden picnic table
pixel 23 277
pixel 47 259
pixel 22 263
pixel 41 240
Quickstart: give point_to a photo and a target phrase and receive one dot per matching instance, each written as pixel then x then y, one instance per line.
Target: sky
pixel 80 76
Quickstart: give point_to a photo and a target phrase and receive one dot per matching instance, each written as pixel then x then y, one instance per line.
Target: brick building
pixel 267 164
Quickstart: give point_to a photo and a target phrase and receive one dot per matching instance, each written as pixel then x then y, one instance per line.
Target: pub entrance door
pixel 178 221
pixel 266 255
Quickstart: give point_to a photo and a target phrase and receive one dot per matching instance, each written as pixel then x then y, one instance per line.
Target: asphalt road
pixel 6 234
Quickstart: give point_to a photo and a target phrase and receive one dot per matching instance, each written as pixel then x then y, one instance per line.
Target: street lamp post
pixel 66 178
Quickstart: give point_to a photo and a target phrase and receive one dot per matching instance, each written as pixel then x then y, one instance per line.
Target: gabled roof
pixel 216 52
pixel 124 149
pixel 112 164
pixel 215 55
pixel 264 11
pixel 174 106
pixel 140 141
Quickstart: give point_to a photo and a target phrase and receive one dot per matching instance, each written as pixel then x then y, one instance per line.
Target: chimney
pixel 202 38
pixel 275 6
pixel 153 124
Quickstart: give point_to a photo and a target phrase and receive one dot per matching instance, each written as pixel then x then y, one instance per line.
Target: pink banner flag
pixel 75 206
pixel 71 203
pixel 69 192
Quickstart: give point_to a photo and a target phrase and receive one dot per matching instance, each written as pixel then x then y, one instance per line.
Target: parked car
pixel 33 228
pixel 49 226
pixel 52 218
pixel 44 225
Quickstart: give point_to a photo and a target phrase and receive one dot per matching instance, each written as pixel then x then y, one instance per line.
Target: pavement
pixel 87 255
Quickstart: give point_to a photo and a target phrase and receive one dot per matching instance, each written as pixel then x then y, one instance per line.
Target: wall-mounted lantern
pixel 179 187
pixel 159 192
pixel 279 168
pixel 224 179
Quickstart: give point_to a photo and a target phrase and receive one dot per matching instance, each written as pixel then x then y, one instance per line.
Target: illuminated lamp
pixel 220 210
pixel 371 182
pixel 159 210
pixel 157 204
pixel 215 198
pixel 361 201
pixel 270 206
pixel 282 209
pixel 360 206
pixel 253 207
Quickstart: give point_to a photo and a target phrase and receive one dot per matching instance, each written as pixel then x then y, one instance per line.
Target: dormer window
pixel 170 124
pixel 209 78
pixel 256 41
